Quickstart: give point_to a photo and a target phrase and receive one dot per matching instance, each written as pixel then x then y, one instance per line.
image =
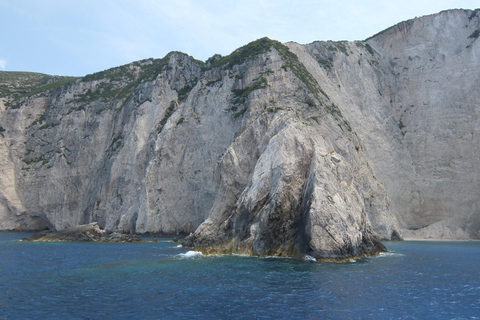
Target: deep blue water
pixel 415 280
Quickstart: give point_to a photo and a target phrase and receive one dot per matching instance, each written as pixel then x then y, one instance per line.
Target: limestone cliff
pixel 411 94
pixel 272 150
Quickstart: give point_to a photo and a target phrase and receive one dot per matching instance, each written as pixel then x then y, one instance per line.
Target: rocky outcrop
pixel 174 146
pixel 410 92
pixel 88 232
pixel 320 149
pixel 304 196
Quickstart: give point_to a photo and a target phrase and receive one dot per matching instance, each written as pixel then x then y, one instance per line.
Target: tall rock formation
pixel 413 98
pixel 273 150
pixel 435 100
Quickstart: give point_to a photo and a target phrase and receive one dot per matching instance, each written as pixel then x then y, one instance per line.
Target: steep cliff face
pixel 434 62
pixel 411 94
pixel 305 188
pixel 249 141
pixel 80 152
pixel 272 150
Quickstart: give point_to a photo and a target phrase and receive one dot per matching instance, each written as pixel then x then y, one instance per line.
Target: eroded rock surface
pixel 87 232
pixel 411 94
pixel 321 149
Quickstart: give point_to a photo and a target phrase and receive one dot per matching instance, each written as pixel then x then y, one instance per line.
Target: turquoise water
pixel 415 280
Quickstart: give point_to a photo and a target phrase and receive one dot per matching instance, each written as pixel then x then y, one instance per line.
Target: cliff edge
pixel 321 149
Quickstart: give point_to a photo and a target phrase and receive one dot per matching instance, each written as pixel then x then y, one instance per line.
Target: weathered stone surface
pixel 413 98
pixel 233 140
pixel 264 151
pixel 304 197
pixel 86 232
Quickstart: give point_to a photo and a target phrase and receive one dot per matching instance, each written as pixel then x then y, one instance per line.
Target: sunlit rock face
pixel 413 99
pixel 318 149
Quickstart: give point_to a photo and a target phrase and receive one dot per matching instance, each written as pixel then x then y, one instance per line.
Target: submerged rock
pixel 86 232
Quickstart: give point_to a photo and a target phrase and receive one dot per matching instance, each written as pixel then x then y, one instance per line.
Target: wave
pixel 190 254
pixel 390 254
pixel 309 258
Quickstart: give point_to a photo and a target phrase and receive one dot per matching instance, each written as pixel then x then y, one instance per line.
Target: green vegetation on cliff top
pixel 242 54
pixel 20 84
pixel 143 70
pixel 255 48
pixel 120 82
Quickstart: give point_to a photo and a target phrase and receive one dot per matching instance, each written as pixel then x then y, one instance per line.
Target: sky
pixel 75 38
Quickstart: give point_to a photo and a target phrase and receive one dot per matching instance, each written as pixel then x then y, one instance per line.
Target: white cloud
pixel 3 64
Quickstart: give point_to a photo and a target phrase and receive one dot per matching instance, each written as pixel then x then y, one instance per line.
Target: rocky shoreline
pixel 278 149
pixel 87 232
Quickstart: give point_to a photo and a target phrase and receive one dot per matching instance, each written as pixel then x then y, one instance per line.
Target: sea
pixel 160 280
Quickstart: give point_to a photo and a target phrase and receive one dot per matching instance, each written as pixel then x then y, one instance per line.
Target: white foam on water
pixel 190 254
pixel 179 246
pixel 390 254
pixel 309 258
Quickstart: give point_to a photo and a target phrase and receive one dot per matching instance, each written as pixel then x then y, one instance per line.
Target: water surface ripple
pixel 415 280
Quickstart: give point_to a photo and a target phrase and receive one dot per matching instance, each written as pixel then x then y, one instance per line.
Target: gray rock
pixel 321 149
pixel 412 96
pixel 88 232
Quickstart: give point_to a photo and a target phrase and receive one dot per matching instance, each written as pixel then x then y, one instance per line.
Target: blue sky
pixel 70 37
